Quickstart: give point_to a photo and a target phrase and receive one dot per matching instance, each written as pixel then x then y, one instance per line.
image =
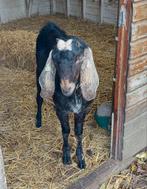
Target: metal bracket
pixel 122 17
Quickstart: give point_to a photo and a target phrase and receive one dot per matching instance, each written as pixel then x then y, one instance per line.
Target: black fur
pixel 65 69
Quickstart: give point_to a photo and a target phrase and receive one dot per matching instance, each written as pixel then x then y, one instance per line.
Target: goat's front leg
pixel 79 120
pixel 63 117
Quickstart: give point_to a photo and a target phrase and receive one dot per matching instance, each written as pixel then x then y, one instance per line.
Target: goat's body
pixel 75 103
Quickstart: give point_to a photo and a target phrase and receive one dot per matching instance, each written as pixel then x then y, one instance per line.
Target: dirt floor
pixel 32 156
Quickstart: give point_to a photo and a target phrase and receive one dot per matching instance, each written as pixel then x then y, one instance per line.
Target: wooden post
pixel 83 7
pixel 2 173
pixel 67 8
pixel 122 54
pixel 52 7
pixel 101 11
pixel 28 7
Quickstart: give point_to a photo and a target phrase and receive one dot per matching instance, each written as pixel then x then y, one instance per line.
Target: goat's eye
pixel 78 44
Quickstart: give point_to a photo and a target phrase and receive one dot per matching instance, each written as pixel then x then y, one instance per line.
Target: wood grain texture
pixel 135 125
pixel 136 110
pixel 138 48
pixel 139 30
pixel 101 174
pixel 135 141
pixel 137 65
pixel 140 10
pixel 136 81
pixel 136 96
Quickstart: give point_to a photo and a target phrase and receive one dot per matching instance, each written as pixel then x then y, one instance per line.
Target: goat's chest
pixel 75 104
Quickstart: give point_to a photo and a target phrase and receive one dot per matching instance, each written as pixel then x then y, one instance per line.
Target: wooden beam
pixel 52 7
pixel 67 8
pixel 28 7
pixel 101 174
pixel 101 11
pixel 122 55
pixel 83 9
pixel 2 172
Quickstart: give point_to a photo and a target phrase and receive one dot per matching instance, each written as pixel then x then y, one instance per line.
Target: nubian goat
pixel 66 74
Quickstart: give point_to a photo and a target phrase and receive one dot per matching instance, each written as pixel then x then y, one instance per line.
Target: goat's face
pixel 66 58
pixel 71 60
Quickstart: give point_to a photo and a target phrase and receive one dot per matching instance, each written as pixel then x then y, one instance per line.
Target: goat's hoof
pixel 82 164
pixel 38 124
pixel 66 159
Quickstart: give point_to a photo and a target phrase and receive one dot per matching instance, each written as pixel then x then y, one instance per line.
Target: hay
pixel 135 176
pixel 17 48
pixel 33 156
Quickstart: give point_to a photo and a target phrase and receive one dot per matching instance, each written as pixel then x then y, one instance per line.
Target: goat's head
pixel 71 60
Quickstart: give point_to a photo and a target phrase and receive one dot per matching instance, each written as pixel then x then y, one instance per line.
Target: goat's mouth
pixel 68 92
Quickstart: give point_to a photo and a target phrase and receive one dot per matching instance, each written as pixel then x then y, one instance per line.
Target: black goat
pixel 66 73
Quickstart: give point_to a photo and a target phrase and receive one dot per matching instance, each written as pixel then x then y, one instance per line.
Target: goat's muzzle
pixel 67 87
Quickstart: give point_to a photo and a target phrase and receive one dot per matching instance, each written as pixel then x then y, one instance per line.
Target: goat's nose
pixel 65 84
pixel 67 87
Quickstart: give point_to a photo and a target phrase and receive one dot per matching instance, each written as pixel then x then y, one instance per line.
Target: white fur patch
pixel 76 107
pixel 64 45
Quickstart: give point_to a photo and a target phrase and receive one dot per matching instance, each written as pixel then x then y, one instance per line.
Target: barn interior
pixel 32 156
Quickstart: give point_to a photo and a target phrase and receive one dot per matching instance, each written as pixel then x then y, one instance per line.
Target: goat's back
pixel 46 41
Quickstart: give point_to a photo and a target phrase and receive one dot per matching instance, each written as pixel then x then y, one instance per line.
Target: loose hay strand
pixel 33 157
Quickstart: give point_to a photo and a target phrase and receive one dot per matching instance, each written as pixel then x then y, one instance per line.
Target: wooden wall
pixel 11 10
pixel 104 11
pixel 135 128
pixel 109 11
pixel 40 7
pixel 16 9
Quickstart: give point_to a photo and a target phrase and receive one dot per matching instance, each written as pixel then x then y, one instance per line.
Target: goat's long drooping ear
pixel 89 79
pixel 47 79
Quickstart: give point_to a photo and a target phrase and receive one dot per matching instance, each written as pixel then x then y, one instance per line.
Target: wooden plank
pixel 140 11
pixel 137 81
pixel 76 8
pixel 136 110
pixel 101 11
pixel 138 48
pixel 3 184
pixel 67 8
pixel 110 13
pixel 134 125
pixel 120 85
pixel 136 96
pixel 137 65
pixel 92 18
pixel 101 174
pixel 135 142
pixel 52 6
pixel 83 9
pixel 92 10
pixel 60 6
pixel 139 30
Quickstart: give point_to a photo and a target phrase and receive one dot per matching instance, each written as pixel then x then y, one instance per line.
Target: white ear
pixel 89 80
pixel 47 79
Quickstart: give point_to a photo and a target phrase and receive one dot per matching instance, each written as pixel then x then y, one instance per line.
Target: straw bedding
pixel 134 177
pixel 33 156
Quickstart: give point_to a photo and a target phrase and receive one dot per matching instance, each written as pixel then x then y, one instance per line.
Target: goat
pixel 65 73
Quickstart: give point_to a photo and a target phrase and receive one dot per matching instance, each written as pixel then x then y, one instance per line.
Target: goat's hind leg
pixel 79 119
pixel 39 101
pixel 63 117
